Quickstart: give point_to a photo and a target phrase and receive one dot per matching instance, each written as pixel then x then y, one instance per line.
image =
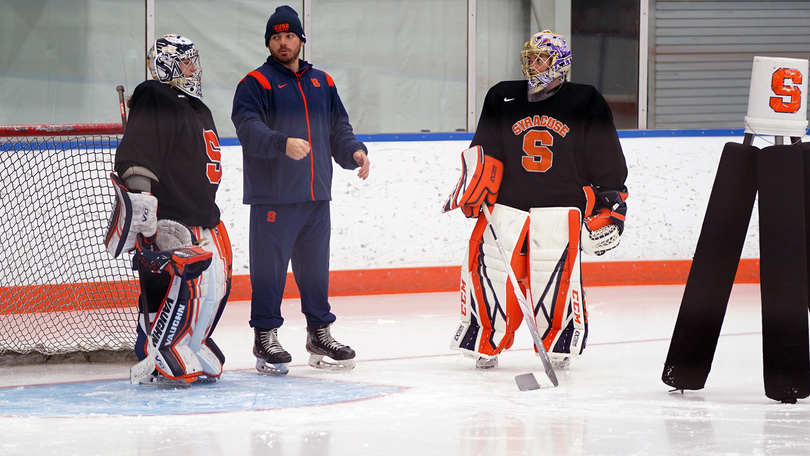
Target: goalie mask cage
pixel 62 295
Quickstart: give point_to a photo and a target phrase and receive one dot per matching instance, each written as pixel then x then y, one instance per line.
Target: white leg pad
pixel 211 288
pixel 555 279
pixel 490 313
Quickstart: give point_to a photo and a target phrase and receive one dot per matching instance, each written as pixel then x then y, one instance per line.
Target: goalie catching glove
pixel 480 180
pixel 133 214
pixel 604 219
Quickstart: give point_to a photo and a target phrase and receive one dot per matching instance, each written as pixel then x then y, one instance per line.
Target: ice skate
pixel 271 358
pixel 320 344
pixel 486 363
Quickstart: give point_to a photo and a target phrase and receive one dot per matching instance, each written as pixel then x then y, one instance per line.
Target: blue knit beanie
pixel 285 19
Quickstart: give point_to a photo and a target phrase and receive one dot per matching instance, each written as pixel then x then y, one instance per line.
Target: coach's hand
pixel 361 159
pixel 297 148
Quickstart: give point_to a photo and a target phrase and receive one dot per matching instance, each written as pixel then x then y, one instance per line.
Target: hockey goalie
pixel 547 162
pixel 184 284
pixel 167 173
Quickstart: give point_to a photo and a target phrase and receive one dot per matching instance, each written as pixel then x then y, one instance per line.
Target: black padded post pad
pixel 714 267
pixel 783 272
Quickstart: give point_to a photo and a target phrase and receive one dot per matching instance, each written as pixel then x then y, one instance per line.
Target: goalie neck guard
pixel 174 60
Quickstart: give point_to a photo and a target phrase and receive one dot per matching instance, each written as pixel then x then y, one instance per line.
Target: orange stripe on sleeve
pixel 262 80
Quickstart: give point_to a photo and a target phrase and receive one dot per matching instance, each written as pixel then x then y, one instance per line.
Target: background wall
pixel 394 219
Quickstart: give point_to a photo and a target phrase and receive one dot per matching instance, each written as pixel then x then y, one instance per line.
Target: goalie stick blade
pixel 528 382
pixel 528 314
pixel 141 371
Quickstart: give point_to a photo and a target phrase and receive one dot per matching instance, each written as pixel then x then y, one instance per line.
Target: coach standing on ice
pixel 291 123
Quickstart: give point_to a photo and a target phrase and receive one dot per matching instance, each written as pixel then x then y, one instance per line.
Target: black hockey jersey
pixel 173 136
pixel 551 148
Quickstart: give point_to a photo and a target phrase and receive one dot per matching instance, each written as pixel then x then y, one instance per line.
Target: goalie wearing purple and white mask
pixel 552 138
pixel 171 151
pixel 545 61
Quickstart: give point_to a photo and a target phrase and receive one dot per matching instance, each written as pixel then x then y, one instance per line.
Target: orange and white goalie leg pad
pixel 555 281
pixel 173 329
pixel 171 333
pixel 490 313
pixel 212 289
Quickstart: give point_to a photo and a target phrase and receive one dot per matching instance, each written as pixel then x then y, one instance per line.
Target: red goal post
pixel 61 294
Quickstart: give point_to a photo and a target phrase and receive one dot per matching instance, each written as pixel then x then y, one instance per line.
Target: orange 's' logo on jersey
pixel 540 121
pixel 316 83
pixel 214 169
pixel 271 216
pixel 536 146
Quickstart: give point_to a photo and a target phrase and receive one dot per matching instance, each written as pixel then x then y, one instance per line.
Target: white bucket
pixel 777 101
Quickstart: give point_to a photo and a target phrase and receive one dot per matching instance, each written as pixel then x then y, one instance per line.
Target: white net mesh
pixel 60 291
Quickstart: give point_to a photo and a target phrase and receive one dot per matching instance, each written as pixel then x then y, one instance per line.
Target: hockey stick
pixel 525 381
pixel 145 367
pixel 121 104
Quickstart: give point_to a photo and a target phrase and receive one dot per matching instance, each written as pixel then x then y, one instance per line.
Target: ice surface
pixel 427 400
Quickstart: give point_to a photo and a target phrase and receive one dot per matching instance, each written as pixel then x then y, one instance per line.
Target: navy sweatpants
pixel 279 233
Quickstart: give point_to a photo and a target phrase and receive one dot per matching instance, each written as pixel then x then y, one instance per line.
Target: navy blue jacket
pixel 272 104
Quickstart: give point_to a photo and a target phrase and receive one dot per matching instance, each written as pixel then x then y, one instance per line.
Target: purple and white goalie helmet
pixel 553 45
pixel 174 60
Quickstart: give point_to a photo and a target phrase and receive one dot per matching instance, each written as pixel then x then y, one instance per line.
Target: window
pixel 399 65
pixel 604 44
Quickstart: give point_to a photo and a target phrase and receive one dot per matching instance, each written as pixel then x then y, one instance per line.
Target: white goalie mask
pixel 550 44
pixel 174 60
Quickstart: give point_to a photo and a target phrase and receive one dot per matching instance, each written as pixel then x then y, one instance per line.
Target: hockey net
pixel 62 296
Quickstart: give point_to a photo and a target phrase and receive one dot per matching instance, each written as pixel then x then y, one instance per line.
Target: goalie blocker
pixel 133 214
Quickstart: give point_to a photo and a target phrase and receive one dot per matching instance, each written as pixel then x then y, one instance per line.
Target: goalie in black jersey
pixel 169 167
pixel 547 157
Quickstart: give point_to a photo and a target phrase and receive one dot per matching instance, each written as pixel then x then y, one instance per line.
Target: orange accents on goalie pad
pixel 496 307
pixel 214 285
pixel 548 274
pixel 563 309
